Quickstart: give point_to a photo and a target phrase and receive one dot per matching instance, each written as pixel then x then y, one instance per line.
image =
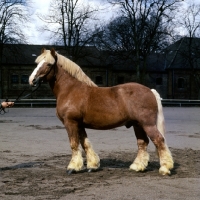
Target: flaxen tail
pixel 166 160
pixel 160 116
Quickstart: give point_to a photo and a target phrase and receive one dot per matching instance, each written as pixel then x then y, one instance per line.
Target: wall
pixel 166 83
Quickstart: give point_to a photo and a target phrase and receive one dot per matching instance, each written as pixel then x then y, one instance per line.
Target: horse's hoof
pixel 92 170
pixel 164 171
pixel 71 171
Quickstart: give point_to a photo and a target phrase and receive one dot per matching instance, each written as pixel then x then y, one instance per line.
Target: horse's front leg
pixel 76 163
pixel 93 161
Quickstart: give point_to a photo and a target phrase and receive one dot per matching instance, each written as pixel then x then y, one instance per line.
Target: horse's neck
pixel 63 81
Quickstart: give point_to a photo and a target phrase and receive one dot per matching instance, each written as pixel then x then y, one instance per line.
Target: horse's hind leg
pixel 93 161
pixel 166 161
pixel 76 163
pixel 141 161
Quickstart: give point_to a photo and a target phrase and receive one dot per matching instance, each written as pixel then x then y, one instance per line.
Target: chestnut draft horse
pixel 81 104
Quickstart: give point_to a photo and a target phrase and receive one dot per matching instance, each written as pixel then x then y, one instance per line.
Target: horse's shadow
pixel 155 165
pixel 105 163
pixel 21 166
pixel 114 163
pixel 176 167
pixel 120 164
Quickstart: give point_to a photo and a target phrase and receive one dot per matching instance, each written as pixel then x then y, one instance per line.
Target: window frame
pixel 16 78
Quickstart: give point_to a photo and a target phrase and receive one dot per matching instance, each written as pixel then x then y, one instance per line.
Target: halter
pixel 52 66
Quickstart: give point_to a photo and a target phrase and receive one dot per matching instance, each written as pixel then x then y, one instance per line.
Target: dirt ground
pixel 34 153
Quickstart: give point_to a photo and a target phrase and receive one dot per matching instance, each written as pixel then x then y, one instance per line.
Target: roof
pixel 26 54
pixel 20 53
pixel 155 62
pixel 183 54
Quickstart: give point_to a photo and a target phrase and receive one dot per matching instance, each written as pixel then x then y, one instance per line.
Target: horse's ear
pixel 43 50
pixel 53 52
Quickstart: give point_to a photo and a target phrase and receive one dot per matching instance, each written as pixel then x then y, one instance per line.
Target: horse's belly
pixel 103 127
pixel 104 122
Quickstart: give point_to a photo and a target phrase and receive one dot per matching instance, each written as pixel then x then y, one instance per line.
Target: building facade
pixel 183 68
pixel 167 72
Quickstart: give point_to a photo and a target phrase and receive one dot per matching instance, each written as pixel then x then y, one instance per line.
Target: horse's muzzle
pixel 36 81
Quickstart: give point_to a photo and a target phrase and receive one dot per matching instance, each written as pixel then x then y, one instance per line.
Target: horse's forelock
pixel 46 55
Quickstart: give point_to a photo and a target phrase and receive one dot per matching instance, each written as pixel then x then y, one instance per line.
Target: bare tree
pixel 13 18
pixel 190 20
pixel 190 23
pixel 115 36
pixel 70 24
pixel 148 24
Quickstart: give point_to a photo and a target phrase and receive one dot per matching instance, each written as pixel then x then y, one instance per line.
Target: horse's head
pixel 45 68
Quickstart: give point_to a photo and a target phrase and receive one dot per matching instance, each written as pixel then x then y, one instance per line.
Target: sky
pixel 42 7
pixel 35 37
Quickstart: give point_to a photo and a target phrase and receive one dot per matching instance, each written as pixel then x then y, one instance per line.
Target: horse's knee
pixel 155 136
pixel 159 141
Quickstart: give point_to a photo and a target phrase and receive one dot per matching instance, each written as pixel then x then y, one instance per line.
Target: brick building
pixel 169 72
pixel 183 69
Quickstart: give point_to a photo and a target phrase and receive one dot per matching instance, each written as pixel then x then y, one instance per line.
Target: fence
pixel 180 102
pixel 52 102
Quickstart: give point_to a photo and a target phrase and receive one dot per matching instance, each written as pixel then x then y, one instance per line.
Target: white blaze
pixel 35 72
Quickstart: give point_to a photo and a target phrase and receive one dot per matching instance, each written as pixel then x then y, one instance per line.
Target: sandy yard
pixel 34 153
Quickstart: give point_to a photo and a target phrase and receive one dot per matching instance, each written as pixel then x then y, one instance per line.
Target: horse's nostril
pixel 35 81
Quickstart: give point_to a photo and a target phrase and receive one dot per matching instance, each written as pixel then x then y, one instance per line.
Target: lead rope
pixel 3 110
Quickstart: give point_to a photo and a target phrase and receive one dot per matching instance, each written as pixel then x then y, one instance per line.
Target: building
pixel 174 73
pixel 18 62
pixel 183 69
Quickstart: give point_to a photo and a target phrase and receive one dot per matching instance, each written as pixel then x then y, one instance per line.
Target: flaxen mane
pixel 71 67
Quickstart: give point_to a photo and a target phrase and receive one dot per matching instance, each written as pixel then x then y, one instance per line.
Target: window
pixel 24 79
pixel 98 80
pixel 181 83
pixel 120 80
pixel 14 79
pixel 159 81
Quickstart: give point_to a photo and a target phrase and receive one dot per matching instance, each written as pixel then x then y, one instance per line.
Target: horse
pixel 82 104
